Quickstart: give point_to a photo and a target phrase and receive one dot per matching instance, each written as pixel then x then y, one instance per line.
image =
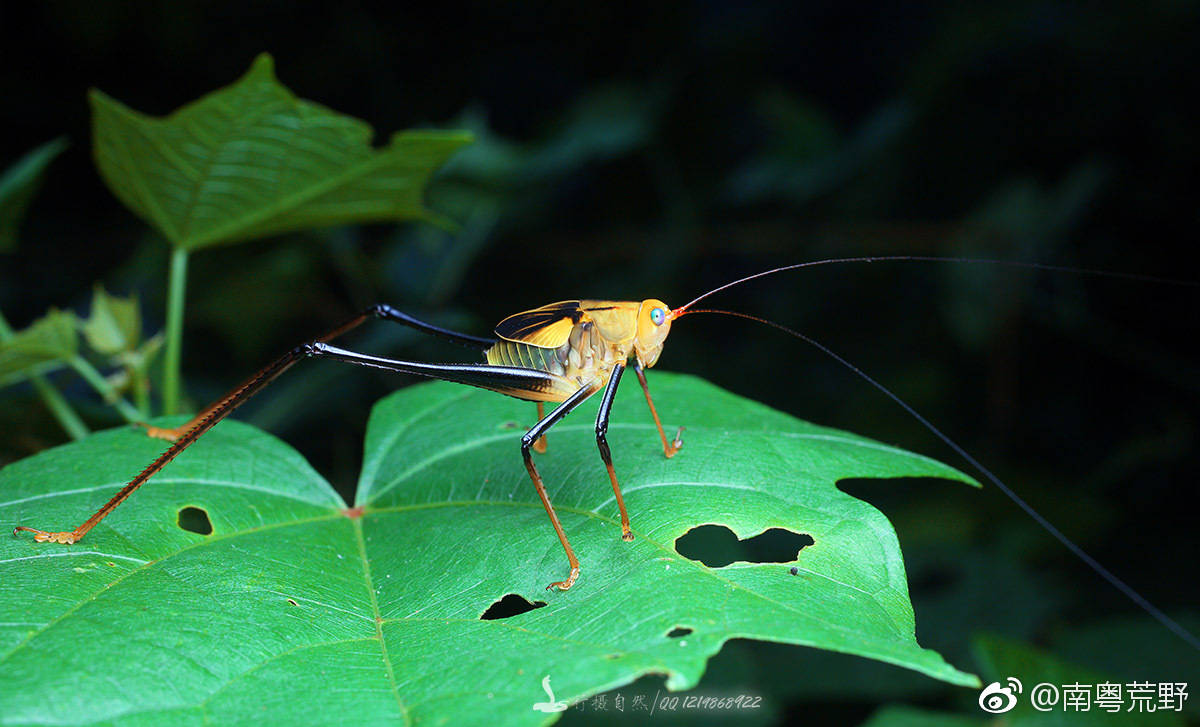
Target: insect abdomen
pixel 525 356
pixel 522 355
pixel 585 357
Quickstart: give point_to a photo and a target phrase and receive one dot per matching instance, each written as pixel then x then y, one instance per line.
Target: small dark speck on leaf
pixel 678 631
pixel 794 571
pixel 510 425
pixel 293 602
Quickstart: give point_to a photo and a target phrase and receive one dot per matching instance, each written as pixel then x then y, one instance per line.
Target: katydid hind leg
pixel 211 416
pixel 496 378
pixel 382 311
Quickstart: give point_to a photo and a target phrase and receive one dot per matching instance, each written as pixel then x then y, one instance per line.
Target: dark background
pixel 626 152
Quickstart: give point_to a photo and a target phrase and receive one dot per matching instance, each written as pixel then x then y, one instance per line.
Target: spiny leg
pixel 527 441
pixel 610 393
pixel 379 310
pixel 196 428
pixel 540 445
pixel 504 379
pixel 669 450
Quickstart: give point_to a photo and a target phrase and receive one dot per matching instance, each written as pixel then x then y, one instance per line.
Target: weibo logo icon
pixel 996 699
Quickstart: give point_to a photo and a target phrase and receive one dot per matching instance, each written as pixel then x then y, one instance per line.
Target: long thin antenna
pixel 939 259
pixel 1119 584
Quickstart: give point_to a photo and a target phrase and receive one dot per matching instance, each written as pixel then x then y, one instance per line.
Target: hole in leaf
pixel 509 606
pixel 716 546
pixel 678 631
pixel 195 520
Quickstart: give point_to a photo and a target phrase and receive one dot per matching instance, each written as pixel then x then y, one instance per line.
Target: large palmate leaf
pixel 296 609
pixel 252 160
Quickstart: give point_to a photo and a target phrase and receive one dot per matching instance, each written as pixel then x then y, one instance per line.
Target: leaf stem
pixel 67 418
pixel 105 389
pixel 176 285
pixel 58 405
pixel 141 391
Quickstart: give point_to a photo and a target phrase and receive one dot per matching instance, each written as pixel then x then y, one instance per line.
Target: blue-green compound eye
pixel 658 315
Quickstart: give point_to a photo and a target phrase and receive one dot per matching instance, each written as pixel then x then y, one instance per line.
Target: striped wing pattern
pixel 545 327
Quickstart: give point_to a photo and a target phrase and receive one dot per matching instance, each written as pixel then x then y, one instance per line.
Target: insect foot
pixel 676 445
pixel 42 536
pixel 168 435
pixel 564 585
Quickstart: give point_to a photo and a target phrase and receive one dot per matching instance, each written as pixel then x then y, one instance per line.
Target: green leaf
pixel 115 324
pixel 19 183
pixel 252 160
pixel 296 610
pixel 1133 648
pixel 46 344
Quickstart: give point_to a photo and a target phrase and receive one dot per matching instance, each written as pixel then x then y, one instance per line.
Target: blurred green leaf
pixel 1134 648
pixel 604 123
pixel 46 344
pixel 390 599
pixel 143 356
pixel 251 160
pixel 804 155
pixel 1001 658
pixel 114 325
pixel 19 183
pixel 1023 221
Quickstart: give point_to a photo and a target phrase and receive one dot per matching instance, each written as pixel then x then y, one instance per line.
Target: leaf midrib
pixel 262 213
pixel 378 620
pixel 212 539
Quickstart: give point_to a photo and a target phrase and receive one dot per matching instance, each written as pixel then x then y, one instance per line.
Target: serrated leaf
pixel 46 344
pixel 294 611
pixel 19 183
pixel 114 324
pixel 251 160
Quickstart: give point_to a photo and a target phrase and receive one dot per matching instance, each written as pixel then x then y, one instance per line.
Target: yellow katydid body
pixel 578 342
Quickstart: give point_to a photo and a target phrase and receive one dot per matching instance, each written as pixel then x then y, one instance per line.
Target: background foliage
pixel 626 154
